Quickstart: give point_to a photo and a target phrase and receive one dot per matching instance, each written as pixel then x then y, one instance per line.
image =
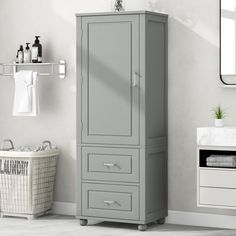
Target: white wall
pixel 194 86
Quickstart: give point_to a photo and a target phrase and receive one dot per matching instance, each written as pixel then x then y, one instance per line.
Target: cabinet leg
pixel 31 217
pixel 142 227
pixel 83 222
pixel 161 221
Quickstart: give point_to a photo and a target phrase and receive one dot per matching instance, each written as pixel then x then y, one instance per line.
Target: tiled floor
pixel 68 226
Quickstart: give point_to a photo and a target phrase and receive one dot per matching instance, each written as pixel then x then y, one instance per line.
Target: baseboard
pixel 64 208
pixel 174 217
pixel 201 219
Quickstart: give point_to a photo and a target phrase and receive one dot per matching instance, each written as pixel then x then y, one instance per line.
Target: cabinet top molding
pixel 122 13
pixel 212 136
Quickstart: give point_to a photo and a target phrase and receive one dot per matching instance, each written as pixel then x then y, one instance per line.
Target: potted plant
pixel 119 5
pixel 219 115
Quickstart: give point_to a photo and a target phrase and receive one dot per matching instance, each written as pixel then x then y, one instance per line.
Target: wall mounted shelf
pixel 44 69
pixel 216 186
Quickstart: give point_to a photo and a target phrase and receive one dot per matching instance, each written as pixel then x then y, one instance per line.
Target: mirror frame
pixel 221 76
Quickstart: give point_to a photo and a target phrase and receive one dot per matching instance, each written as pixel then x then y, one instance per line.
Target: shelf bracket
pixel 14 70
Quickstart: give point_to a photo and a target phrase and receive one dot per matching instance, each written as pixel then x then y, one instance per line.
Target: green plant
pixel 219 113
pixel 118 5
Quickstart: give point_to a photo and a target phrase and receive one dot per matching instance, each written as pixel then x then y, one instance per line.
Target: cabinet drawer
pixel 218 178
pixel 113 164
pixel 218 197
pixel 110 201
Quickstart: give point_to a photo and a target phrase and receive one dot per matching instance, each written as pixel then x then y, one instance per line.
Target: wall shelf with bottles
pixel 44 69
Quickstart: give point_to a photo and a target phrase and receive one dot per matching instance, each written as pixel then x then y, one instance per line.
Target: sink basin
pixel 212 136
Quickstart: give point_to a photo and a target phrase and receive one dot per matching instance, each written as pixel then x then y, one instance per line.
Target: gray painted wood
pixel 142 82
pixel 110 108
pixel 121 13
pixel 121 123
pixel 112 201
pixel 78 114
pixel 155 72
pixel 156 117
pixel 155 182
pixel 114 164
pixel 155 79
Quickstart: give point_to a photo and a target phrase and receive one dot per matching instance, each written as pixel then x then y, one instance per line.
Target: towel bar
pixel 8 69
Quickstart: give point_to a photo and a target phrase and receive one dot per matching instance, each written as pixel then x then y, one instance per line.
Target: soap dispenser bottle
pixel 17 55
pixel 21 54
pixel 27 54
pixel 37 51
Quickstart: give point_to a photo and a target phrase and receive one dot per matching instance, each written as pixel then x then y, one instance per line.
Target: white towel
pixel 221 164
pixel 26 96
pixel 221 158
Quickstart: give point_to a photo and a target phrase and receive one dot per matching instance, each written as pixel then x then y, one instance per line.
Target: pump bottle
pixel 27 54
pixel 17 54
pixel 21 54
pixel 37 51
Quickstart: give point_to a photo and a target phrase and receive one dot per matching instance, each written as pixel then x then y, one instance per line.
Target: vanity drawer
pixel 218 197
pixel 110 201
pixel 218 178
pixel 113 164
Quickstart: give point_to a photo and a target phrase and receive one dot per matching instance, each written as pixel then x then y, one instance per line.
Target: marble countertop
pixel 212 136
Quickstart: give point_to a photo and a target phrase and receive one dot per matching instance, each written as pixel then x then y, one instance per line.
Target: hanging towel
pixel 26 96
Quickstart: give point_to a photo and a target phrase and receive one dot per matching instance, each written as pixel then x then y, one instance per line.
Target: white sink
pixel 212 136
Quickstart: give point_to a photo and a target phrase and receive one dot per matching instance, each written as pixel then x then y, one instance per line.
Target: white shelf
pixel 219 168
pixel 46 69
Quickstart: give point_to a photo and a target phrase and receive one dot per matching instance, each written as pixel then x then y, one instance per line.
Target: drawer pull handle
pixel 109 164
pixel 109 202
pixel 135 80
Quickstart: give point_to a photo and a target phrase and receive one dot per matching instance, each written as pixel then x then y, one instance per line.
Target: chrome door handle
pixel 136 80
pixel 109 202
pixel 109 164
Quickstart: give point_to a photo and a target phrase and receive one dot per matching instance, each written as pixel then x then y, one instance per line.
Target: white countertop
pixel 212 136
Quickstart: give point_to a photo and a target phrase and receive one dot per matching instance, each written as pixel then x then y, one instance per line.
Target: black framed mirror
pixel 228 42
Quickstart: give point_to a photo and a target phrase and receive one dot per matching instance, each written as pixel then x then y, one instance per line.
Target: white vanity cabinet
pixel 216 186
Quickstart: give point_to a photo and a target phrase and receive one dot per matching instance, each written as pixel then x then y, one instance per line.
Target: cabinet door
pixel 110 65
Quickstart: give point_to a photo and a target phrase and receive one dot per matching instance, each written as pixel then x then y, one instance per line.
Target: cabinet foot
pixel 142 227
pixel 161 221
pixel 31 217
pixel 83 222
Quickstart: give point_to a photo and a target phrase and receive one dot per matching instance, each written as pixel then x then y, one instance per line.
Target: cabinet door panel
pixel 110 58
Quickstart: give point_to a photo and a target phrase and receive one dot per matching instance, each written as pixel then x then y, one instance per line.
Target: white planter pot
pixel 219 123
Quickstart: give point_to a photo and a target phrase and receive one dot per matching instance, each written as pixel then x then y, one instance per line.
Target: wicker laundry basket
pixel 27 182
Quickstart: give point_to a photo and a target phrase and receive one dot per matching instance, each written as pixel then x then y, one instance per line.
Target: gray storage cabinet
pixel 122 117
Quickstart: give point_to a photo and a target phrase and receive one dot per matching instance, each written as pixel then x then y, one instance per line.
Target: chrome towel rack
pixel 44 69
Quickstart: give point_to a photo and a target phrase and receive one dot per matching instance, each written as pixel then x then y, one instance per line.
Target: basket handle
pixel 7 141
pixel 45 144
